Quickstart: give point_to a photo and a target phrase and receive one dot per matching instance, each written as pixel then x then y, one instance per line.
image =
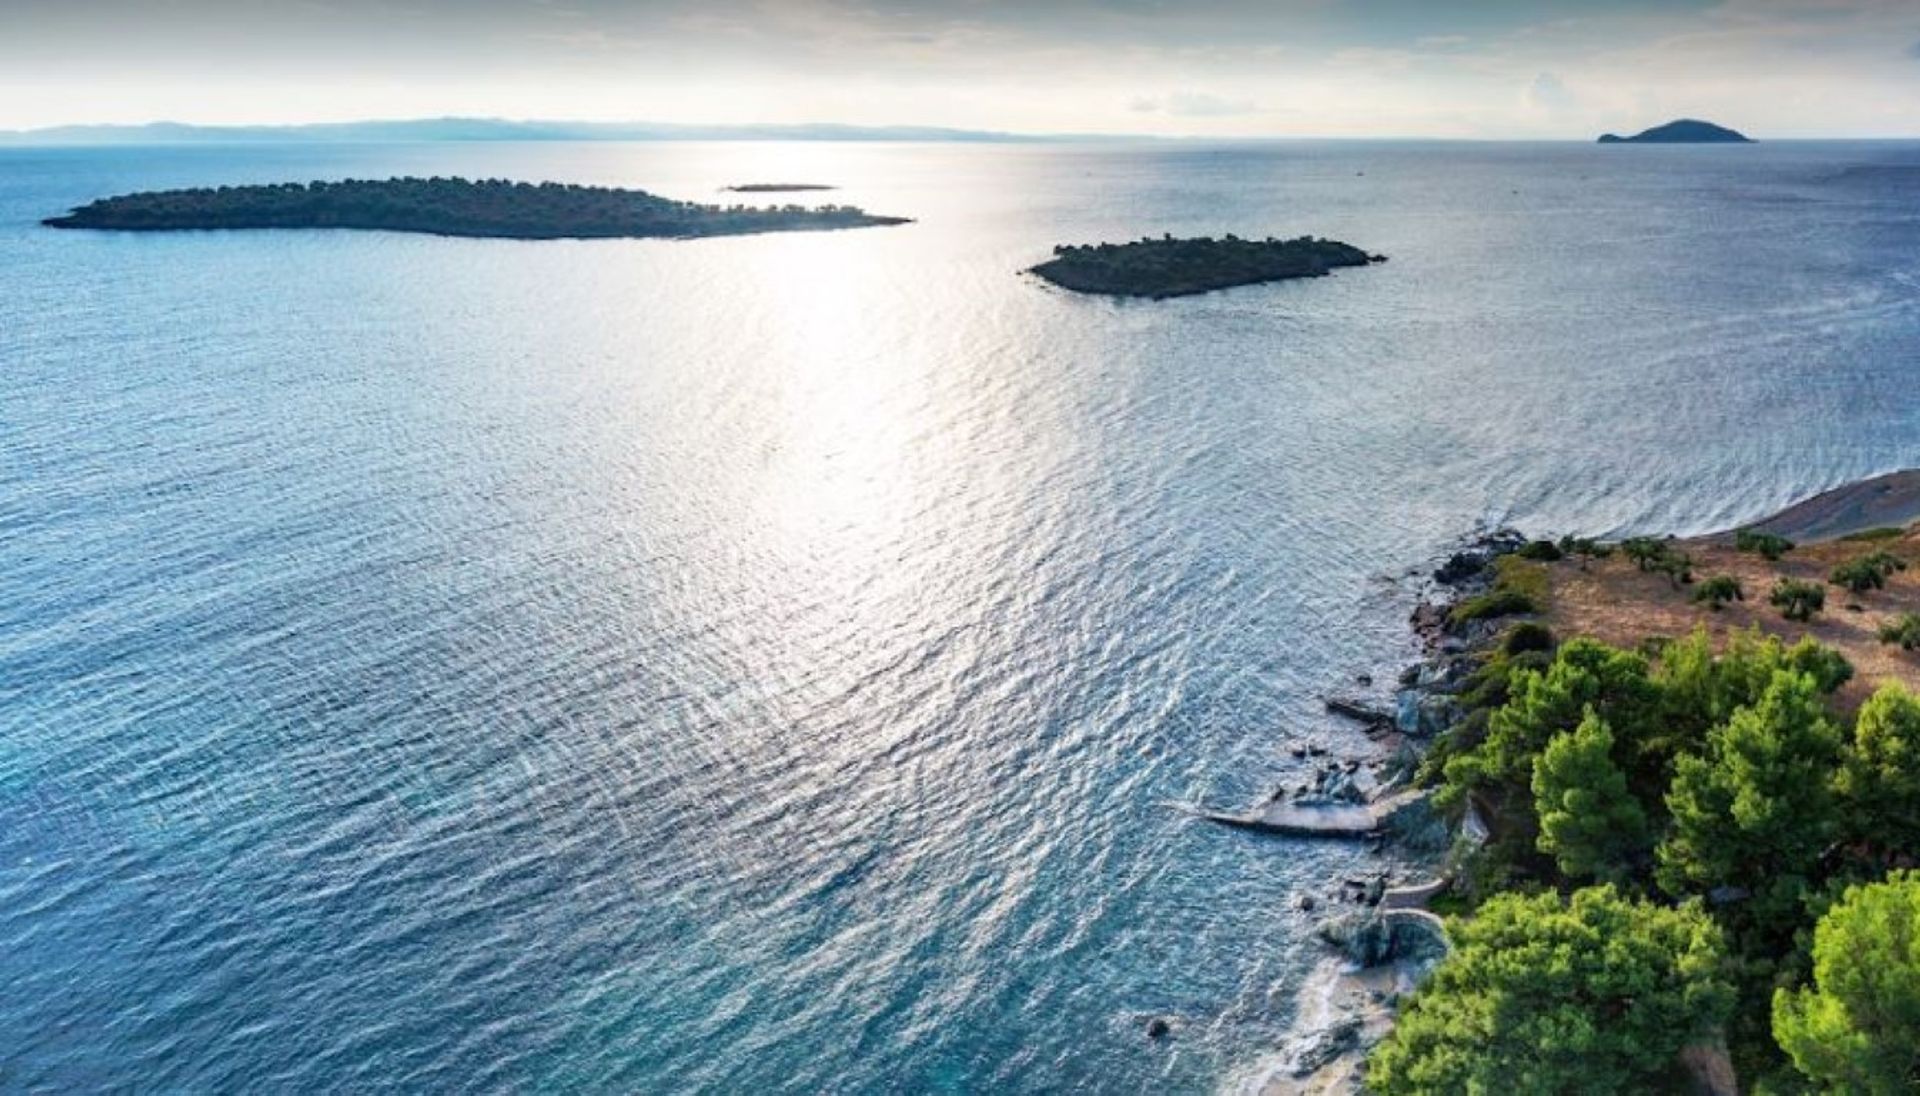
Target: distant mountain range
pixel 1682 131
pixel 484 129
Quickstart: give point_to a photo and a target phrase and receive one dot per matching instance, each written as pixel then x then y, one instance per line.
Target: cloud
pixel 1549 93
pixel 1913 51
pixel 1193 104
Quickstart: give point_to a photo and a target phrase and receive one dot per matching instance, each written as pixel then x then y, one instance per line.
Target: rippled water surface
pixel 767 664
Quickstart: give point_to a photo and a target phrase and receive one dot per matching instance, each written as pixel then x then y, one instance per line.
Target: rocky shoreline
pixel 1381 939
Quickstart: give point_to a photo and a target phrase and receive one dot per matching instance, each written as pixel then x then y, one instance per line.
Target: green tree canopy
pixel 1702 690
pixel 1881 781
pixel 1596 995
pixel 1589 822
pixel 1857 1028
pixel 1757 809
pixel 1584 674
pixel 1797 599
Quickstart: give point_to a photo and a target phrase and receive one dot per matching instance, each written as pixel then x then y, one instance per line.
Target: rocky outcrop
pixel 1316 816
pixel 1372 937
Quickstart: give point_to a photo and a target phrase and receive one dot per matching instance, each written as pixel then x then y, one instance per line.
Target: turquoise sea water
pixel 766 664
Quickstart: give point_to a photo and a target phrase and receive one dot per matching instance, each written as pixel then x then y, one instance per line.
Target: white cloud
pixel 1549 93
pixel 1193 104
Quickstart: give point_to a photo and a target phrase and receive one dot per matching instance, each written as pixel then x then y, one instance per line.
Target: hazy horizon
pixel 639 129
pixel 1213 68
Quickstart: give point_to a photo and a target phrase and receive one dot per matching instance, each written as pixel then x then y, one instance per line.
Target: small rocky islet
pixel 1681 131
pixel 494 208
pixel 1169 267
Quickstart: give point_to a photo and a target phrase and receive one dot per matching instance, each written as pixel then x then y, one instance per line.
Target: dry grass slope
pixel 1614 601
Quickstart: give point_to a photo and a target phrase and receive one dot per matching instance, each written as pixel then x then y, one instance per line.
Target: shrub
pixel 1718 590
pixel 1528 635
pixel 1797 599
pixel 1586 548
pixel 1869 572
pixel 1541 551
pixel 1519 586
pixel 1904 630
pixel 1658 556
pixel 1871 536
pixel 1643 550
pixel 1493 603
pixel 1770 546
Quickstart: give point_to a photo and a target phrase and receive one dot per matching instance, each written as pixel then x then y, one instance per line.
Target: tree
pixel 1658 556
pixel 1587 548
pixel 1589 822
pixel 1541 551
pixel 1904 630
pixel 1701 689
pixel 1718 591
pixel 1881 780
pixel 1584 674
pixel 1756 811
pixel 1596 995
pixel 1797 599
pixel 1869 572
pixel 1857 1028
pixel 1770 546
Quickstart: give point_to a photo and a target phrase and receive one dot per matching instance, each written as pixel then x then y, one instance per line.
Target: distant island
pixel 1167 267
pixel 1684 131
pixel 495 129
pixel 776 188
pixel 453 207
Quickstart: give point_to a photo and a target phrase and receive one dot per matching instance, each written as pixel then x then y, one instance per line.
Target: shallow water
pixel 768 663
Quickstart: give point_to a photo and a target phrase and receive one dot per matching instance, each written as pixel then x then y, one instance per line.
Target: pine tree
pixel 1589 822
pixel 1757 809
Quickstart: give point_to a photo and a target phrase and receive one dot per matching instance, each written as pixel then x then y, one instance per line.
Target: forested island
pixel 777 188
pixel 454 207
pixel 1681 131
pixel 1684 776
pixel 1167 267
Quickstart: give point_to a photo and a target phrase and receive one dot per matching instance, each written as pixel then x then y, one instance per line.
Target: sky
pixel 1222 68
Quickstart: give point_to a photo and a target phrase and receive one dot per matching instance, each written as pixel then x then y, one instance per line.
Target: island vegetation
pixel 453 207
pixel 776 188
pixel 1681 131
pixel 1700 813
pixel 1169 267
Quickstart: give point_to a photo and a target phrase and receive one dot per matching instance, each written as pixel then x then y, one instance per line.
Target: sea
pixel 790 663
